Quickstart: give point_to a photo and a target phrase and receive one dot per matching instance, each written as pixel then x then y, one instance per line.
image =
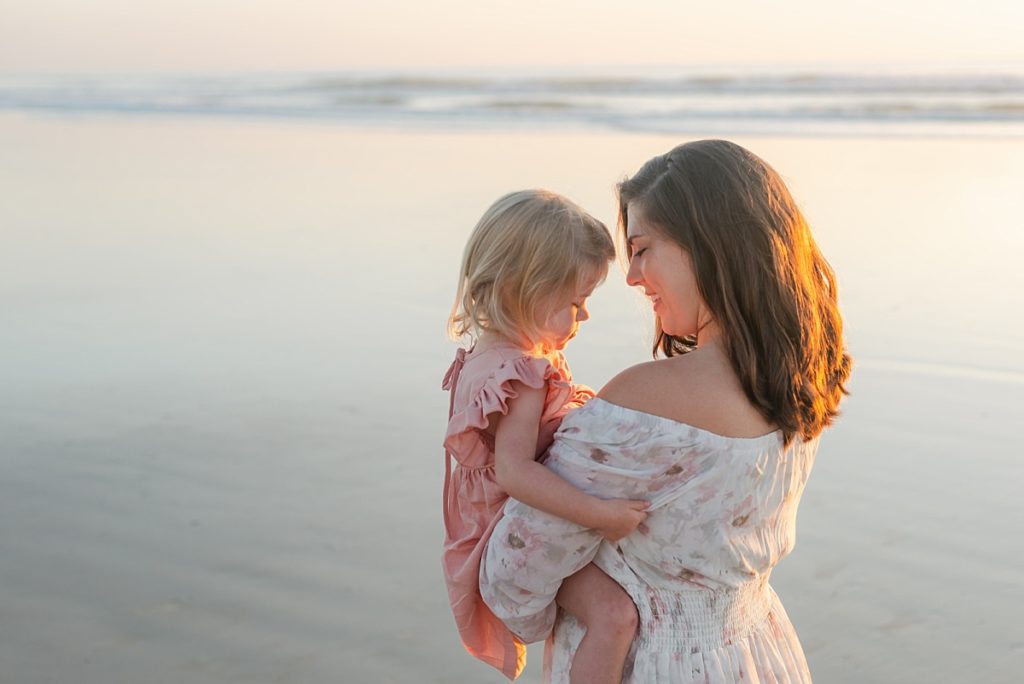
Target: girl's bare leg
pixel 610 617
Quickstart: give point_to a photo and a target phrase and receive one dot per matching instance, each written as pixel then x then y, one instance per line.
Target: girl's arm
pixel 519 474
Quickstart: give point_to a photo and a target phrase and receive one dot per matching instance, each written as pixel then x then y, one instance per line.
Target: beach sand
pixel 222 347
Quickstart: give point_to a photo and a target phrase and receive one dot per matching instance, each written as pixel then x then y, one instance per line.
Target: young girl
pixel 527 270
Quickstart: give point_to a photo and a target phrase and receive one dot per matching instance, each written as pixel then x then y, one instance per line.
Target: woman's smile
pixel 658 262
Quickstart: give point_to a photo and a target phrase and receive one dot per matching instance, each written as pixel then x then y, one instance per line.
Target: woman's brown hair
pixel 770 290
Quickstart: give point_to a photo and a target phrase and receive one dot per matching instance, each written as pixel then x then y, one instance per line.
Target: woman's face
pixel 665 271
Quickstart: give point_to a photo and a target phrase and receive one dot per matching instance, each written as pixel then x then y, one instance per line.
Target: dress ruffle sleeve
pixel 498 390
pixel 579 395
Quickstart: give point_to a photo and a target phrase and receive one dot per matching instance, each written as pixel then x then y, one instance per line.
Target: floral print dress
pixel 482 383
pixel 723 513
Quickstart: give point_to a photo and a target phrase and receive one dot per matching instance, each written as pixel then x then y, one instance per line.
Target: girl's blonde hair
pixel 529 248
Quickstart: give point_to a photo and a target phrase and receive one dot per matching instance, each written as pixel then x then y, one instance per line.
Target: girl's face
pixel 665 271
pixel 567 313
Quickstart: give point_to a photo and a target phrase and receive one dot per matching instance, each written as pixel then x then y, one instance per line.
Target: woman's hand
pixel 621 516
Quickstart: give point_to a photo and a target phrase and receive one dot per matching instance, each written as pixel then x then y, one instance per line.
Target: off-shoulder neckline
pixel 775 436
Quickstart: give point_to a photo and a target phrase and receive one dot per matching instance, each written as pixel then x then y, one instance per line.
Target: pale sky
pixel 277 35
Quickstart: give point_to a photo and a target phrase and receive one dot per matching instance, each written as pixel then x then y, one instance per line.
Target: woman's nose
pixel 633 273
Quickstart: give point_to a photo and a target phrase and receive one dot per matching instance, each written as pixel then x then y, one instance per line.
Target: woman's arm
pixel 519 474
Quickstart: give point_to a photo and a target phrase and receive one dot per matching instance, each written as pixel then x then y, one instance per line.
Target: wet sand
pixel 222 348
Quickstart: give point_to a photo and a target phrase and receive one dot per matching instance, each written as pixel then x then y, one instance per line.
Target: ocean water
pixel 221 346
pixel 728 101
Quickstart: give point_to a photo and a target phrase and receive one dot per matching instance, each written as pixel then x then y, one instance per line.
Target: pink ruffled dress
pixel 480 384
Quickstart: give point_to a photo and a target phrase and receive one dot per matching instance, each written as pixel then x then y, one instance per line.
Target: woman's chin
pixel 678 333
pixel 668 328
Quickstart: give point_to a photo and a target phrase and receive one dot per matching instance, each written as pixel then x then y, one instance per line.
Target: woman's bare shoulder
pixel 645 386
pixel 630 381
pixel 697 389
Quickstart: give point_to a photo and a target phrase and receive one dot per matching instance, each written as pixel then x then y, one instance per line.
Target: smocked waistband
pixel 700 618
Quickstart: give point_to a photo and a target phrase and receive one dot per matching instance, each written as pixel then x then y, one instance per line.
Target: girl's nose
pixel 582 314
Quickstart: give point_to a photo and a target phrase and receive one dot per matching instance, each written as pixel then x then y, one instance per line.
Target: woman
pixel 720 435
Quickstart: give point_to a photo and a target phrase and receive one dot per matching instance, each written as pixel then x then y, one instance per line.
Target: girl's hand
pixel 621 517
